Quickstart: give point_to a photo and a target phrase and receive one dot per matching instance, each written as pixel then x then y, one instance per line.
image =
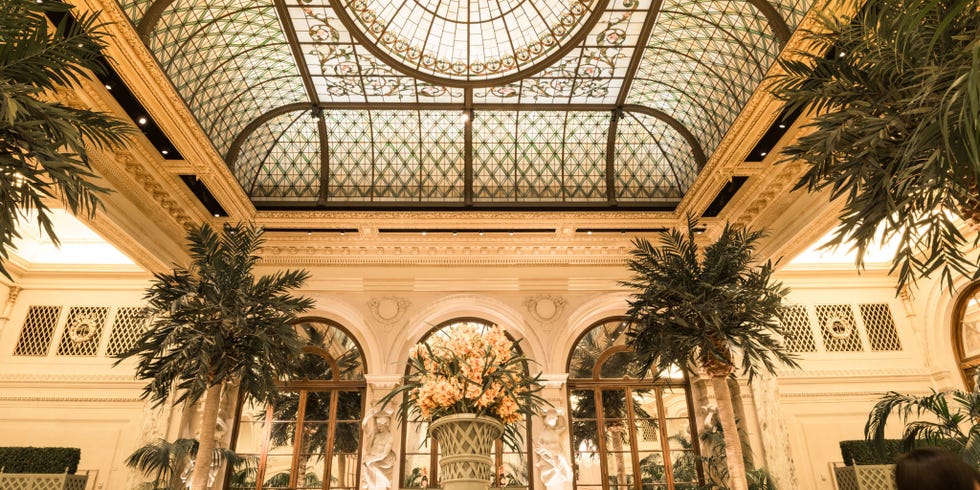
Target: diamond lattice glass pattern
pixel 468 40
pixel 83 331
pixel 703 61
pixel 229 60
pixel 653 162
pixel 283 160
pixel 547 156
pixel 35 336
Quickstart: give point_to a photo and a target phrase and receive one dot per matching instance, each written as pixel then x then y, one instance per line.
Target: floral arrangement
pixel 468 368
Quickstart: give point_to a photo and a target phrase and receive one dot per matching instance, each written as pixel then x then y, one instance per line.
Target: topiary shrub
pixel 864 452
pixel 40 459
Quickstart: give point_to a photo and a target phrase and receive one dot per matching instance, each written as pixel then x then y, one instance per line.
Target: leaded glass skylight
pixel 451 103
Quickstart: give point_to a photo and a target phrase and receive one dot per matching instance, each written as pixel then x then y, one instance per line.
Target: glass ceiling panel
pixel 135 9
pixel 467 40
pixel 542 156
pixel 394 156
pixel 715 51
pixel 282 159
pixel 653 162
pixel 230 62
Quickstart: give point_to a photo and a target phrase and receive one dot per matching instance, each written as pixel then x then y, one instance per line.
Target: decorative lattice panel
pixel 846 480
pixel 30 481
pixel 797 329
pixel 880 325
pixel 875 477
pixel 35 337
pixel 129 324
pixel 83 331
pixel 838 329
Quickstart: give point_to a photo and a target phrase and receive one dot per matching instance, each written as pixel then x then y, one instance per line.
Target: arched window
pixel 419 467
pixel 627 433
pixel 311 437
pixel 966 332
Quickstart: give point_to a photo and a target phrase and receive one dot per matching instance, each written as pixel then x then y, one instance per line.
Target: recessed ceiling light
pixel 423 233
pixel 762 153
pixel 142 120
pixel 165 152
pixel 782 126
pixel 108 87
pixel 217 215
pixel 589 232
pixel 842 54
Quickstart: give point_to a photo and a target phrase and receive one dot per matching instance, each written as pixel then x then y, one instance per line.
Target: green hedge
pixel 39 459
pixel 863 452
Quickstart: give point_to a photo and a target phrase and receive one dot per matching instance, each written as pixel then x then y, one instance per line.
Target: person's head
pixel 931 468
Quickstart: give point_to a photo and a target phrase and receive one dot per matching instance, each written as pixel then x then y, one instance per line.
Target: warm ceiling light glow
pixel 165 152
pixel 108 87
pixel 142 120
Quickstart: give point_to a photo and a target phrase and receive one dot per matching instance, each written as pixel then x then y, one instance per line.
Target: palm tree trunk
pixel 205 451
pixel 733 444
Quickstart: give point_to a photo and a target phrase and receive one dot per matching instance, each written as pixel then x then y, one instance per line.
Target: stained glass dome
pixel 476 41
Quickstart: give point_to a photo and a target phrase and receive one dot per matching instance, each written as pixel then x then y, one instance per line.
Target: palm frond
pixel 895 95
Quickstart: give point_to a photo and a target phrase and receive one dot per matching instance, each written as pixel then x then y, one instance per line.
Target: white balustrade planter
pixel 865 477
pixel 42 481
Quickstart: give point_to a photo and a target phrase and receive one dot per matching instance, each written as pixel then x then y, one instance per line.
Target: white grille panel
pixel 797 329
pixel 83 331
pixel 35 337
pixel 880 325
pixel 838 329
pixel 126 329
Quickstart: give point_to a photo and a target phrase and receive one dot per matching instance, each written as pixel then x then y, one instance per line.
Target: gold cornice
pixel 142 74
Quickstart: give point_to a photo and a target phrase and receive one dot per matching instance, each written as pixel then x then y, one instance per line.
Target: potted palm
pixel 45 144
pixel 471 386
pixel 215 323
pixel 894 94
pixel 695 310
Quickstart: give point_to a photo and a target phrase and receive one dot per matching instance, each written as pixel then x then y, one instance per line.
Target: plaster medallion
pixel 545 309
pixel 388 309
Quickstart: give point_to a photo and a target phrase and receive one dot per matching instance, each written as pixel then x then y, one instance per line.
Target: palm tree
pixel 44 145
pixel 895 97
pixel 952 418
pixel 164 461
pixel 213 323
pixel 695 309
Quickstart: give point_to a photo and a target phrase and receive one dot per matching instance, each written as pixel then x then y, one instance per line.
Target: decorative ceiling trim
pixel 571 43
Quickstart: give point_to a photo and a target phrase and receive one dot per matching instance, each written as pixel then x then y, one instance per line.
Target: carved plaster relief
pixel 545 310
pixel 388 310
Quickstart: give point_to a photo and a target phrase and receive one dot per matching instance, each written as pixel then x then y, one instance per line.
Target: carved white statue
pixel 556 472
pixel 379 460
